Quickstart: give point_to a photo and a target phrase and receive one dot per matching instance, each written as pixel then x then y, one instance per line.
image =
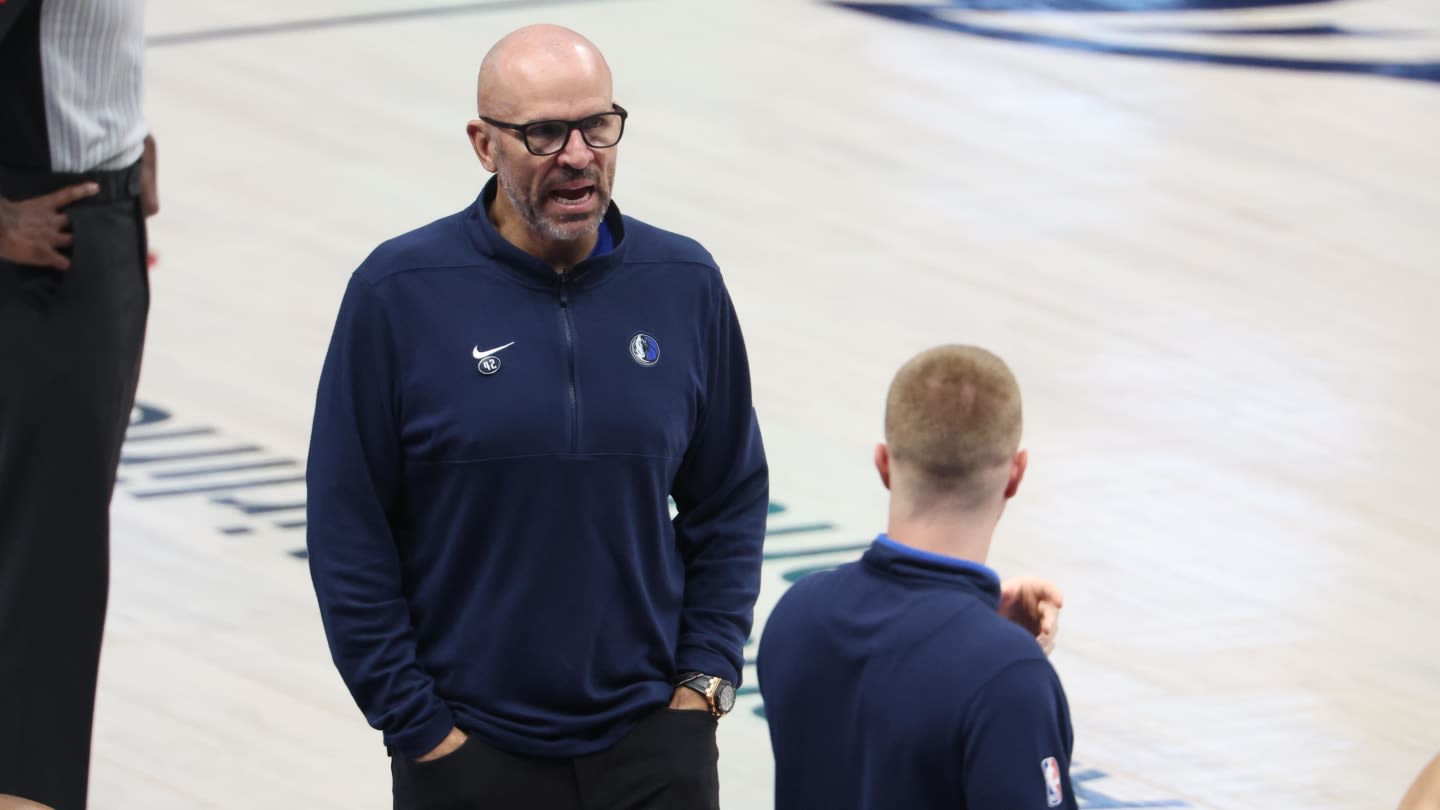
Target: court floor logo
pixel 1313 36
pixel 249 488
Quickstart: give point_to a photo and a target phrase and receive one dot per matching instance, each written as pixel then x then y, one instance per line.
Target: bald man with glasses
pixel 511 396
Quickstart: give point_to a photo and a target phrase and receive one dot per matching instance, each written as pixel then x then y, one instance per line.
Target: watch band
pixel 711 687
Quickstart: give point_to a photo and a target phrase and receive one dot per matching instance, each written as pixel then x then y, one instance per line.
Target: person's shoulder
pixel 985 644
pixel 801 610
pixel 648 243
pixel 438 244
pixel 813 590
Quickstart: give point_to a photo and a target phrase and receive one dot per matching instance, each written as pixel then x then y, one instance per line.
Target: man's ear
pixel 882 463
pixel 1017 472
pixel 482 142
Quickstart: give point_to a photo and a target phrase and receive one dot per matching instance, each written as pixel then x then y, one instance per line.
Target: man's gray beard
pixel 559 232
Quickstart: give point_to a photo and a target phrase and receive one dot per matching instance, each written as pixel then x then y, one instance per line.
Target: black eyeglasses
pixel 543 138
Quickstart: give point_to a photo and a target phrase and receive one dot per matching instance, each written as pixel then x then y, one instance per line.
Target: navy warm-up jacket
pixel 892 682
pixel 493 448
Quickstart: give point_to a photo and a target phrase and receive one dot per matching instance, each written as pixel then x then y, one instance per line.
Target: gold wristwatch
pixel 719 693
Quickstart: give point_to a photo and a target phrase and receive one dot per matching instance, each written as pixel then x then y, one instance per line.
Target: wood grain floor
pixel 1218 285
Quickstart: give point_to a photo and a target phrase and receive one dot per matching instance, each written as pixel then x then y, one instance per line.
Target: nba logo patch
pixel 1054 790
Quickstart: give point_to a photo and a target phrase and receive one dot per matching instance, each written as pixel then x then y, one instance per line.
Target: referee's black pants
pixel 70 345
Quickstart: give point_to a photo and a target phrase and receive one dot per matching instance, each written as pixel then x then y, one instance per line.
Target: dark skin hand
pixel 34 231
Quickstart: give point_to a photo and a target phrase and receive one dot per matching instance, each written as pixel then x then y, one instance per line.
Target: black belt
pixel 116 185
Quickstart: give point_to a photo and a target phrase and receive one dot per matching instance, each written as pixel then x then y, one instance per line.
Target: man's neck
pixel 965 535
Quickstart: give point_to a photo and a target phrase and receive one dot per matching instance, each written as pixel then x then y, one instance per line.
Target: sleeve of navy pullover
pixel 1018 741
pixel 722 493
pixel 353 477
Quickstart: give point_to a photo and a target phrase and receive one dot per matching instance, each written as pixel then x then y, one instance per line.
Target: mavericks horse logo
pixel 644 349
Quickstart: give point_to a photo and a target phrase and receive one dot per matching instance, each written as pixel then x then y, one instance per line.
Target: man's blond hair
pixel 952 414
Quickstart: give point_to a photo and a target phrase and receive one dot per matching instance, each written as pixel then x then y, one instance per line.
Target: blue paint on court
pixel 943 18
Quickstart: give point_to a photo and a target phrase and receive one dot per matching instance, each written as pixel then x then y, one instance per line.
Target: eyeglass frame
pixel 570 127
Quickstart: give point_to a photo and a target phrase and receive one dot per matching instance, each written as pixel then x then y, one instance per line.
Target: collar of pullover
pixel 533 271
pixel 904 562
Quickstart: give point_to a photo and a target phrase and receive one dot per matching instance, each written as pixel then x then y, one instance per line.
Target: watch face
pixel 725 697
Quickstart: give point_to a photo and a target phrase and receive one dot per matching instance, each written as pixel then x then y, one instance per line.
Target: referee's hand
pixel 149 169
pixel 35 231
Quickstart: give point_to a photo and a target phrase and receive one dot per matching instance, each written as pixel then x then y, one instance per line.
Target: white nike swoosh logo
pixel 479 355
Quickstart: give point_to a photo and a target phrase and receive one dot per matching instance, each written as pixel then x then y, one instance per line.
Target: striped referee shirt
pixel 70 84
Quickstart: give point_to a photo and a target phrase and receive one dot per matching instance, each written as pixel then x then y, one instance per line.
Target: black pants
pixel 69 363
pixel 668 761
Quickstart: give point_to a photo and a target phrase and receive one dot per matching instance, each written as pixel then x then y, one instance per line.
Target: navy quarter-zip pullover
pixel 892 682
pixel 493 448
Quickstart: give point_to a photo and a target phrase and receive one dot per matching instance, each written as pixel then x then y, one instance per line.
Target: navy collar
pixel 906 562
pixel 604 242
pixel 533 271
